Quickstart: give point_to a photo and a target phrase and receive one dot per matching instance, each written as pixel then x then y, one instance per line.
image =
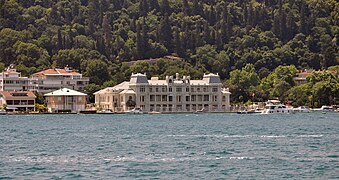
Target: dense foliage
pixel 99 37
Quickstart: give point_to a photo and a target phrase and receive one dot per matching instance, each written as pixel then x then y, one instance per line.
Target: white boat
pixel 154 112
pixel 106 111
pixel 251 111
pixel 325 109
pixel 303 109
pixel 274 107
pixel 135 111
pixel 3 112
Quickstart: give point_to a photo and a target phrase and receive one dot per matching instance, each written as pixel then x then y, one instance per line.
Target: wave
pixel 249 136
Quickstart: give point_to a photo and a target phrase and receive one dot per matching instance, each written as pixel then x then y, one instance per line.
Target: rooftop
pixel 18 94
pixel 65 92
pixel 65 71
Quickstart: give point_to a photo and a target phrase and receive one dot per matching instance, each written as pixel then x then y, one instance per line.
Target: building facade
pixel 174 94
pixel 18 100
pixel 66 100
pixel 43 82
pixel 54 79
pixel 11 80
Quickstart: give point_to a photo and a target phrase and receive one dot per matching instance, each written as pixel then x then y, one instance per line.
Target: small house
pixel 66 100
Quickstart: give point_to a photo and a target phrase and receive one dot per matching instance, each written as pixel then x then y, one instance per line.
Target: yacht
pixel 135 111
pixel 274 106
pixel 325 109
pixel 303 109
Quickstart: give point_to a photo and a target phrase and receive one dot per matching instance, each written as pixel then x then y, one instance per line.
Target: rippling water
pixel 180 146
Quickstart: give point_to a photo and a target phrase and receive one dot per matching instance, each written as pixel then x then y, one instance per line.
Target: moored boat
pixel 302 109
pixel 325 109
pixel 135 111
pixel 106 111
pixel 3 112
pixel 274 106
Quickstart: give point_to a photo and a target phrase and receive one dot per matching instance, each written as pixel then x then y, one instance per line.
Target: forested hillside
pixel 98 37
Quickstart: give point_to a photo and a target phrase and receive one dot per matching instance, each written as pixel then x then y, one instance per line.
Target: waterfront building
pixel 65 100
pixel 173 94
pixel 18 100
pixel 53 79
pixel 11 80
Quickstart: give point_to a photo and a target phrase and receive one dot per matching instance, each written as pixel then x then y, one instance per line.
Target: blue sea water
pixel 170 146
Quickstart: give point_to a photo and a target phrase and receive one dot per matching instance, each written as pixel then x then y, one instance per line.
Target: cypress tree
pixel 165 7
pixel 196 8
pixel 139 42
pixel 177 42
pixel 283 28
pixel 165 32
pixel 106 28
pixel 186 8
pixel 303 25
pixel 60 45
pixel 154 5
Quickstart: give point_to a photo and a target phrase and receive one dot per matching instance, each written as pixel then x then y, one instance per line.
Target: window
pixel 156 89
pixel 150 89
pixel 170 89
pixel 178 98
pixel 193 98
pixel 170 98
pixel 158 98
pixel 187 98
pixel 163 89
pixel 142 89
pixel 205 89
pixel 206 98
pixel 164 97
pixel 142 98
pixel 187 89
pixel 215 98
pixel 152 98
pixel 178 89
pixel 215 89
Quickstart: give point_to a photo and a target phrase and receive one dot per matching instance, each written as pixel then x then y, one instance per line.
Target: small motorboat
pixel 135 111
pixel 3 112
pixel 106 111
pixel 302 109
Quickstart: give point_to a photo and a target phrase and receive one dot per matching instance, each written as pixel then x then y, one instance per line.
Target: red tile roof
pixel 56 72
pixel 18 94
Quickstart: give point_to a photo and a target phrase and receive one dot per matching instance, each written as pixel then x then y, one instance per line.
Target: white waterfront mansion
pixel 174 94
